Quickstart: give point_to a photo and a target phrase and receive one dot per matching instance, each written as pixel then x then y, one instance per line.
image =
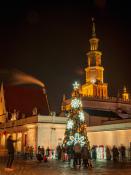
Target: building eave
pixel 33 120
pixel 111 127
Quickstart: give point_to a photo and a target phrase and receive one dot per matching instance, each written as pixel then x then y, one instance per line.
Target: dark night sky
pixel 49 41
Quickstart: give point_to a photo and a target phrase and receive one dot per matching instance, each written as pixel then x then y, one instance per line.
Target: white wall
pixel 110 138
pixel 50 134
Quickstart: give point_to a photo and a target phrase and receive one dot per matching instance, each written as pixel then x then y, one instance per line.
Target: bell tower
pixel 94 85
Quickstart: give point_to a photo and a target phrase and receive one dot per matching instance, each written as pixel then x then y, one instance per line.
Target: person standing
pixel 59 150
pixel 43 151
pixel 70 153
pixel 115 153
pixel 123 152
pixel 11 151
pixel 48 152
pixel 108 153
pixel 31 152
pixel 27 153
pixel 63 153
pixel 77 154
pixel 94 153
pixel 85 155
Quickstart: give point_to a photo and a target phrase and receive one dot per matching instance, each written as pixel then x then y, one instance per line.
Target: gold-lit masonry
pixel 94 86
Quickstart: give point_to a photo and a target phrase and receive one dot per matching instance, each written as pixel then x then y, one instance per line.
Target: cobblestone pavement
pixel 55 167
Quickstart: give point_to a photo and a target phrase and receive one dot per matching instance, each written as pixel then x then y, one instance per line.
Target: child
pixel 45 158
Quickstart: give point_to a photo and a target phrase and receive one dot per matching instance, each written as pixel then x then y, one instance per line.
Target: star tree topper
pixel 76 85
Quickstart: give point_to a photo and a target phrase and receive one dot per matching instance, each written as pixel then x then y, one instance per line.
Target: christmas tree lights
pixel 81 116
pixel 70 124
pixel 76 124
pixel 76 103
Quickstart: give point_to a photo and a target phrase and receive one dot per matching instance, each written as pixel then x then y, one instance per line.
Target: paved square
pixel 55 167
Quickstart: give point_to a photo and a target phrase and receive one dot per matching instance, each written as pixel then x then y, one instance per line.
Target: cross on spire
pixel 93 28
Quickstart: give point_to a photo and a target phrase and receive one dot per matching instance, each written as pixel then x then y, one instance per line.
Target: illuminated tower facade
pixel 94 86
pixel 125 94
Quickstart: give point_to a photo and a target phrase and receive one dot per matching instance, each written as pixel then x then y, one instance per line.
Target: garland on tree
pixel 76 125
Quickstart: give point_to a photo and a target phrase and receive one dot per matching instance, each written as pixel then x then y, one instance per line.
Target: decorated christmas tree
pixel 76 124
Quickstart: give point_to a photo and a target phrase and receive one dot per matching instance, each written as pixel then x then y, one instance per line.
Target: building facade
pixel 94 85
pixel 112 133
pixel 94 92
pixel 47 131
pixel 25 114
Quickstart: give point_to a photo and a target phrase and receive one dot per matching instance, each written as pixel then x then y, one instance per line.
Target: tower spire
pixel 93 28
pixel 95 85
pixel 124 89
pixel 94 40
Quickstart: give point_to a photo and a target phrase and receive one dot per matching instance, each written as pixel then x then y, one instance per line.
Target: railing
pixel 107 99
pixel 33 119
pixel 52 119
pixel 19 122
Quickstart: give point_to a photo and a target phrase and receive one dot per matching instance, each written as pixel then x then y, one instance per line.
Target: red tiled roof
pixel 24 99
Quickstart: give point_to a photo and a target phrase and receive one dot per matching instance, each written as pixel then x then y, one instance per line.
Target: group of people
pixel 41 153
pixel 28 152
pixel 84 156
pixel 44 154
pixel 115 153
pixel 77 154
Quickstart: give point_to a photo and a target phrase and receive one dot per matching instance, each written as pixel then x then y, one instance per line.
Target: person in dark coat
pixel 115 153
pixel 86 156
pixel 123 152
pixel 59 150
pixel 48 152
pixel 94 153
pixel 70 153
pixel 11 151
pixel 77 154
pixel 108 153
